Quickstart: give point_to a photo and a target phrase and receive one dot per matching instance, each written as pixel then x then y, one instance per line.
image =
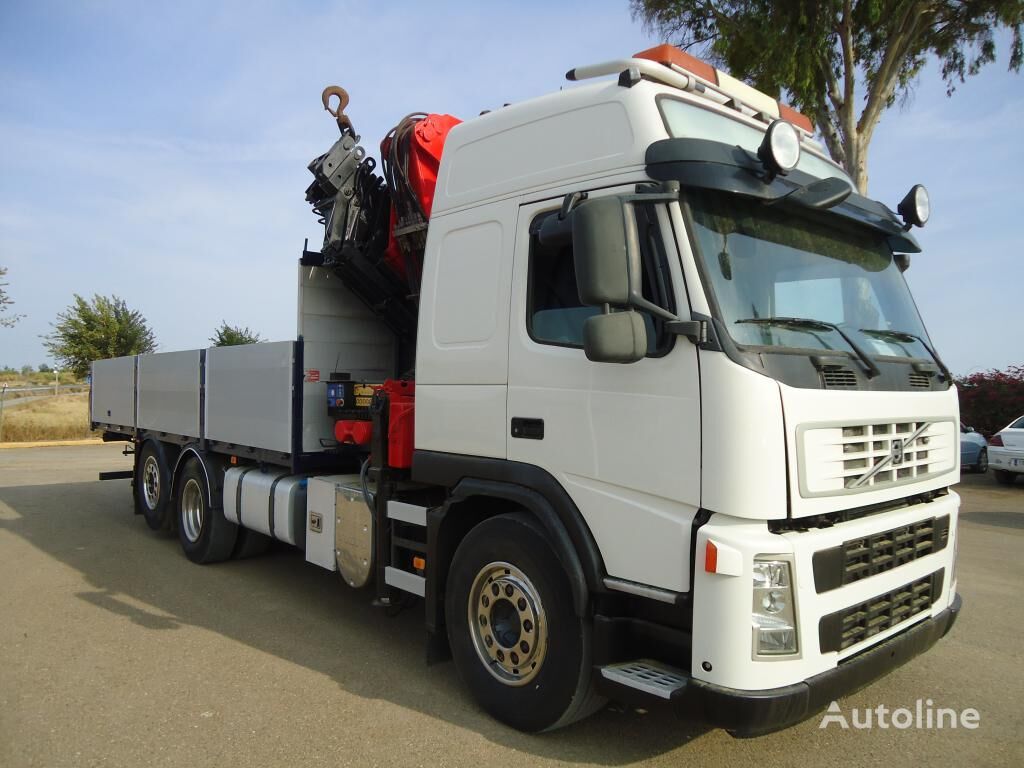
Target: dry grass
pixel 65 417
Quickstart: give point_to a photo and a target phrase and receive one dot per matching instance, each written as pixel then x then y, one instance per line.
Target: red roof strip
pixel 796 118
pixel 668 54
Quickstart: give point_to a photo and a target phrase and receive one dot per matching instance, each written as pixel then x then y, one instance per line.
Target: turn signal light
pixel 711 558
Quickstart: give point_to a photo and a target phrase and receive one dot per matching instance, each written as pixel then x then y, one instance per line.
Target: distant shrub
pixel 990 400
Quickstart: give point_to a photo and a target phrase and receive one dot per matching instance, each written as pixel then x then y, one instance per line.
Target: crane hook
pixel 339 112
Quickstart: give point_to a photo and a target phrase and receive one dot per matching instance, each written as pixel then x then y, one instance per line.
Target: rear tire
pixel 516 640
pixel 153 487
pixel 206 536
pixel 1004 478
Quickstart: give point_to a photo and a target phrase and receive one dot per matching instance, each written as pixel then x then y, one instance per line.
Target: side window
pixel 554 314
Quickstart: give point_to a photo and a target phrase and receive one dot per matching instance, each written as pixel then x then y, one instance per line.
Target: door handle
pixel 528 429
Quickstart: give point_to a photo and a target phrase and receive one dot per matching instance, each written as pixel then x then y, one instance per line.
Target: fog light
pixel 776 641
pixel 772 616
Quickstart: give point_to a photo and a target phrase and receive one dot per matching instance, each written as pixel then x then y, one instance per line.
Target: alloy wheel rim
pixel 507 623
pixel 192 510
pixel 151 482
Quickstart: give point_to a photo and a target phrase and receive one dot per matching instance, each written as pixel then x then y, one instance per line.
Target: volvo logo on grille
pixel 896 452
pixel 895 457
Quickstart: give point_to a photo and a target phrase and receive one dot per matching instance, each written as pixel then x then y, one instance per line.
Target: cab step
pixel 646 676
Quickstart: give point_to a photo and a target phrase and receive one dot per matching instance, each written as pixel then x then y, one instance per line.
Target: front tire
pixel 514 635
pixel 206 536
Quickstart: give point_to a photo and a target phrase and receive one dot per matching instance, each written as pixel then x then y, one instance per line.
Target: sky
pixel 158 152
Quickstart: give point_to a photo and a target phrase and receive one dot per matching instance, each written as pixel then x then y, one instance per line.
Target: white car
pixel 1006 452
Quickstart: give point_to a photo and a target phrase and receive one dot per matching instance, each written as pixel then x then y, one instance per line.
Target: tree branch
pixel 883 85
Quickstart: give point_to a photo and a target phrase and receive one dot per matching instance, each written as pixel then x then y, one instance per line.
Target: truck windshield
pixel 783 279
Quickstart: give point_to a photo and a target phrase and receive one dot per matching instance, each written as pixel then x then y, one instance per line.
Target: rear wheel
pixel 153 487
pixel 982 466
pixel 206 536
pixel 1005 478
pixel 515 638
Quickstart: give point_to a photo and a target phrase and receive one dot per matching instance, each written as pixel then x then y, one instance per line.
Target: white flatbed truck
pixel 679 434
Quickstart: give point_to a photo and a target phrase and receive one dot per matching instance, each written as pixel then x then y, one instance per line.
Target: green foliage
pixel 991 399
pixel 96 330
pixel 827 57
pixel 233 335
pixel 6 320
pixel 44 368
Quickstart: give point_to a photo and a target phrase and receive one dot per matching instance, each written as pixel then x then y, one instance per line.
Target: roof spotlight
pixel 780 150
pixel 915 208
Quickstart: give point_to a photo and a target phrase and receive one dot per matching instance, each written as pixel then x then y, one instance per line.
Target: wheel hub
pixel 151 482
pixel 507 623
pixel 192 510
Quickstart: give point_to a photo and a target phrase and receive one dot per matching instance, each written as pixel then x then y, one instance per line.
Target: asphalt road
pixel 115 650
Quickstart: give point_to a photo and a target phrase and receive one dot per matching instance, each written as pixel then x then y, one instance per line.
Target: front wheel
pixel 206 536
pixel 516 641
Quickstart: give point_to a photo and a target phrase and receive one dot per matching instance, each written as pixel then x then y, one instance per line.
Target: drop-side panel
pixel 249 395
pixel 112 401
pixel 169 385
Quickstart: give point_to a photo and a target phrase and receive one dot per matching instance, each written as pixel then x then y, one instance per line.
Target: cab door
pixel 623 440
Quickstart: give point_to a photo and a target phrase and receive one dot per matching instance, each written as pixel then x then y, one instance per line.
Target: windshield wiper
pixel 821 325
pixel 906 337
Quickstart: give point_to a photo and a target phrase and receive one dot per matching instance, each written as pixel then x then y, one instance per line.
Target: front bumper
pixel 751 713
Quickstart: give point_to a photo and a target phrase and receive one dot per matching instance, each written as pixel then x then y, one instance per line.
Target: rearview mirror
pixel 601 253
pixel 617 337
pixel 606 254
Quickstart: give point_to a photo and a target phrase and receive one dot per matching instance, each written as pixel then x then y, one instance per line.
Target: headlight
pixel 772 615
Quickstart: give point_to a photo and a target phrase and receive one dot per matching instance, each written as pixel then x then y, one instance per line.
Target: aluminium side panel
pixel 169 384
pixel 113 392
pixel 249 395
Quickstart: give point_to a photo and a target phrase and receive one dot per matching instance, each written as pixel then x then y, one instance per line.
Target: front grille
pixel 850 626
pixel 838 377
pixel 853 458
pixel 920 380
pixel 866 556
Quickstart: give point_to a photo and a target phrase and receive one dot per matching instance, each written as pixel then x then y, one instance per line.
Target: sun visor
pixel 714 165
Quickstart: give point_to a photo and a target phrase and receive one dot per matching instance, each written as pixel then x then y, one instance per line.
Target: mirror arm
pixel 569 202
pixel 695 330
pixel 639 302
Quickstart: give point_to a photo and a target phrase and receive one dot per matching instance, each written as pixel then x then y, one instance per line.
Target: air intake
pixel 836 377
pixel 920 380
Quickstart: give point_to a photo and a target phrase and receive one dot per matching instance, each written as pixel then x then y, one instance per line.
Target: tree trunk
pixel 856 150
